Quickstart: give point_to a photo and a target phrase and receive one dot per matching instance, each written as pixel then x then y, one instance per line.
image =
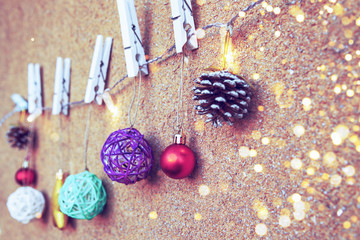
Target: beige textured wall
pixel 289 68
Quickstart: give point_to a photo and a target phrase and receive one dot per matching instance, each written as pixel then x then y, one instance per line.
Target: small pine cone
pixel 18 136
pixel 222 96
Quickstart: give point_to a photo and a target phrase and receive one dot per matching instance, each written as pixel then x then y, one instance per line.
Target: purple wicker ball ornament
pixel 126 156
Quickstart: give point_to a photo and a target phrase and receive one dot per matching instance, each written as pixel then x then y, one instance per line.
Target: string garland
pixel 228 25
pixel 9 114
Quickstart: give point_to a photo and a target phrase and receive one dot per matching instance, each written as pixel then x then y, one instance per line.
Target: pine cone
pixel 222 96
pixel 18 136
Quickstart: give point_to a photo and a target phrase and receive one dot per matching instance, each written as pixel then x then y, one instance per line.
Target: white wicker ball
pixel 25 204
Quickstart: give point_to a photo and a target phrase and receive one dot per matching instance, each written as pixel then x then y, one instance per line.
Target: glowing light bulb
pixel 300 18
pixel 263 213
pixel 299 206
pixel 336 138
pixel 244 152
pixel 350 93
pixel 337 89
pixel 329 160
pixel 357 22
pixel 197 216
pixel 296 164
pixel 295 197
pixel 108 101
pixel 310 171
pixel 34 115
pixel 153 215
pixel 269 8
pixel 258 168
pixel 261 229
pixel 347 224
pixel 306 103
pixel 253 153
pixel 204 190
pixel 349 171
pixel 284 221
pixel 348 57
pixel 335 180
pixel 334 78
pixel 200 33
pixel 299 130
pixel 265 141
pixel 277 10
pixel 299 215
pixel 314 155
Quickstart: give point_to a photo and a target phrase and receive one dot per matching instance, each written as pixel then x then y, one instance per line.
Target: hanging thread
pixel 61 160
pixel 31 143
pixel 86 137
pixel 133 99
pixel 26 163
pixel 180 98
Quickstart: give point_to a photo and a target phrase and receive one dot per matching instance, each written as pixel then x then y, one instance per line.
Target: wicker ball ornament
pixel 222 97
pixel 82 196
pixel 25 204
pixel 127 156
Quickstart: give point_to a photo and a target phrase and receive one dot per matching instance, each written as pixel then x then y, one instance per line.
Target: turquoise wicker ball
pixel 82 196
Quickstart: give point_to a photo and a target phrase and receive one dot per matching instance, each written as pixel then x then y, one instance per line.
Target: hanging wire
pixel 61 159
pixel 9 114
pixel 26 163
pixel 133 99
pixel 122 79
pixel 251 6
pixel 156 59
pixel 179 108
pixel 86 137
pixel 31 143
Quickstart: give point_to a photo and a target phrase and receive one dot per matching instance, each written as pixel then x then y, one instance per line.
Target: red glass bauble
pixel 177 161
pixel 25 176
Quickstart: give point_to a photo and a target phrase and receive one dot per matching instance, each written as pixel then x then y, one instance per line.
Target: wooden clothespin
pixel 98 70
pixel 61 86
pixel 183 23
pixel 130 31
pixel 34 91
